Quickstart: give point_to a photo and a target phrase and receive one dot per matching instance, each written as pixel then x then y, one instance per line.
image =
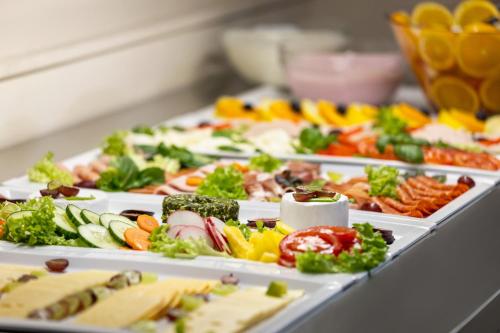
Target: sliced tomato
pixel 336 149
pixel 321 239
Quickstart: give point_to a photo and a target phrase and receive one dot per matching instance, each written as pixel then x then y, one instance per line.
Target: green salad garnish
pixel 311 140
pixel 45 170
pixel 265 163
pixel 36 226
pixel 383 180
pixel 180 248
pixel 124 175
pixel 115 144
pixel 371 253
pixel 224 182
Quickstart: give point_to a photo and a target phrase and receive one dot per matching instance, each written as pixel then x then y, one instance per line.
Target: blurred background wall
pixel 63 62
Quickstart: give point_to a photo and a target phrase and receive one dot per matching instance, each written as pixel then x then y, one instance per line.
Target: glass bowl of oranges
pixel 455 55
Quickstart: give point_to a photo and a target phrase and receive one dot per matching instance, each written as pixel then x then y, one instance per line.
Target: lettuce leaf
pixel 371 253
pixel 115 144
pixel 265 163
pixel 124 175
pixel 383 180
pixel 224 183
pixel 37 228
pixel 45 170
pixel 180 248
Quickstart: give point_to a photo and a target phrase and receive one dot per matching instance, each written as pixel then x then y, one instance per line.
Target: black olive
pixel 341 108
pixel 295 105
pixel 466 180
pixel 386 235
pixel 204 123
pixel 371 207
pixel 492 20
pixel 248 106
pixel 268 222
pixel 133 214
pixel 425 111
pixel 481 115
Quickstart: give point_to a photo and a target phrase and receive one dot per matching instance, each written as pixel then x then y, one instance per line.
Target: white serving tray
pixel 316 292
pixel 318 288
pixel 483 184
pixel 257 94
pixel 405 235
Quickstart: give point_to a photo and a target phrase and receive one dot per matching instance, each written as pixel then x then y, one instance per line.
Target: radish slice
pixel 219 225
pixel 193 232
pixel 218 239
pixel 185 218
pixel 173 232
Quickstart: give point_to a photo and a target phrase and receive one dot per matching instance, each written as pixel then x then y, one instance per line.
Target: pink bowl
pixel 345 78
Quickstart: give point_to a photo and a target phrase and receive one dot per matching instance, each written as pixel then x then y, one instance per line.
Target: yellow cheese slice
pixel 10 273
pixel 238 311
pixel 125 307
pixel 42 292
pixel 130 305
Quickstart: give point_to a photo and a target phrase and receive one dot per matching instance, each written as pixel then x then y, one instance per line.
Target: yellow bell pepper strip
pixel 411 116
pixel 240 247
pixel 329 112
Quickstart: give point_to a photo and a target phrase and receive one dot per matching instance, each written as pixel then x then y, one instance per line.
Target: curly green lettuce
pixel 265 163
pixel 45 170
pixel 224 183
pixel 371 253
pixel 383 180
pixel 180 248
pixel 36 228
pixel 115 144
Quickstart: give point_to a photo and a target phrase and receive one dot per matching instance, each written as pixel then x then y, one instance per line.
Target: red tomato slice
pixel 320 239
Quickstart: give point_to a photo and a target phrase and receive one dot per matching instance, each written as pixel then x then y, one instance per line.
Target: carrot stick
pixel 137 239
pixel 147 223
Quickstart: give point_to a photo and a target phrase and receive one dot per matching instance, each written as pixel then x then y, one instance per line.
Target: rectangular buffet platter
pixel 255 95
pixel 483 184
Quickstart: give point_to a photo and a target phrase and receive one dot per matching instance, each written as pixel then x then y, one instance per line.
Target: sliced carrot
pixel 137 239
pixel 194 181
pixel 147 223
pixel 240 167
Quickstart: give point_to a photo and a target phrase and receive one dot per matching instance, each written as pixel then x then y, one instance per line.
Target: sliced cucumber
pixel 106 219
pixel 20 215
pixel 89 216
pixel 64 225
pixel 117 230
pixel 73 213
pixel 97 236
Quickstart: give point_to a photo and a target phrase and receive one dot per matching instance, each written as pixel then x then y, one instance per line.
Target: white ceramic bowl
pixel 345 77
pixel 256 53
pixel 302 215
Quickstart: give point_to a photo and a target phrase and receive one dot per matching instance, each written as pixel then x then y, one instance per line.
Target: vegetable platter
pixel 264 178
pixel 433 143
pixel 403 236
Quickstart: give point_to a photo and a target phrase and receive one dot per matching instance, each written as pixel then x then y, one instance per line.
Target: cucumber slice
pixel 97 236
pixel 20 215
pixel 106 219
pixel 117 230
pixel 64 225
pixel 89 216
pixel 73 213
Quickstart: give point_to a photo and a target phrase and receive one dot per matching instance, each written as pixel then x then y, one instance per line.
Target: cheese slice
pixel 10 273
pixel 130 305
pixel 42 292
pixel 238 311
